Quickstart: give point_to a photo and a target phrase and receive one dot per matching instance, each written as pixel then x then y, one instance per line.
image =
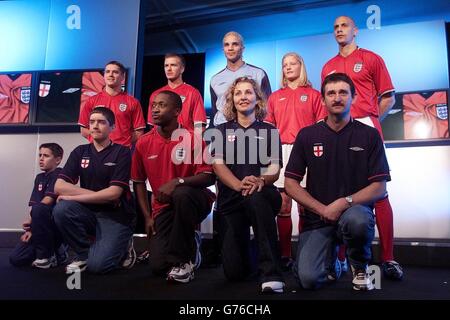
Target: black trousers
pixel 174 241
pixel 257 210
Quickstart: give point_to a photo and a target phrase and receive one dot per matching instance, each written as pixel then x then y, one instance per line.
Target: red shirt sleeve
pixel 83 119
pixel 199 113
pixel 380 75
pixel 138 117
pixel 137 166
pixel 270 117
pixel 149 111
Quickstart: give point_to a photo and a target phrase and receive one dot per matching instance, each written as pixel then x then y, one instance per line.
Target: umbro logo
pixel 356 149
pixel 90 93
pixel 281 99
pixel 110 164
pixel 71 90
pixel 153 156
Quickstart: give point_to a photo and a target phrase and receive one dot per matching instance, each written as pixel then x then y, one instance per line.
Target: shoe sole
pixel 44 266
pixel 363 288
pixel 185 280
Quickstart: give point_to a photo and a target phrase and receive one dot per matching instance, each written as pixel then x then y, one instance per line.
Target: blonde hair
pixel 304 82
pixel 229 110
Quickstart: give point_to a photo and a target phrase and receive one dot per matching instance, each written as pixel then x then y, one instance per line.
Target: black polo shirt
pixel 246 151
pixel 44 186
pixel 339 163
pixel 99 170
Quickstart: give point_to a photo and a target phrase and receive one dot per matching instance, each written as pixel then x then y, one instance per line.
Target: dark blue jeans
pixel 45 239
pixel 78 224
pixel 316 252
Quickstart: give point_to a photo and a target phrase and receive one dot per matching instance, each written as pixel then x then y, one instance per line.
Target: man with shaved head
pixel 374 98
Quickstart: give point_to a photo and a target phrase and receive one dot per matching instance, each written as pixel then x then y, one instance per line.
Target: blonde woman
pixel 291 108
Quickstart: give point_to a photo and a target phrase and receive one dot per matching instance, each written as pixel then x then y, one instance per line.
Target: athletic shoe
pixel 45 263
pixel 76 266
pixel 144 257
pixel 286 263
pixel 392 270
pixel 272 287
pixel 130 259
pixel 198 254
pixel 336 271
pixel 344 265
pixel 361 280
pixel 183 273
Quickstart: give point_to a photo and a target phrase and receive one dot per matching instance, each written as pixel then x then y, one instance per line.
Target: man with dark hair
pixel 171 159
pixel 375 97
pixel 193 111
pixel 40 245
pixel 127 110
pixel 101 207
pixel 347 173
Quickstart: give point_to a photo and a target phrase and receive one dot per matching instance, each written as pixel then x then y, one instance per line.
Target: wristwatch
pixel 180 181
pixel 349 200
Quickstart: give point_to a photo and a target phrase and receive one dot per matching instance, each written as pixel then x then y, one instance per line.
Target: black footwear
pixel 392 270
pixel 143 257
pixel 286 263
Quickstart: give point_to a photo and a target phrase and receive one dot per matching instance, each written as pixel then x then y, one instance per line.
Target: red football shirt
pixel 431 114
pixel 291 110
pixel 160 160
pixel 193 110
pixel 370 76
pixel 127 110
pixel 14 98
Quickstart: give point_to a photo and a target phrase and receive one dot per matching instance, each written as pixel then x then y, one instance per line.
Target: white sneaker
pixel 272 287
pixel 181 273
pixel 45 263
pixel 361 280
pixel 76 266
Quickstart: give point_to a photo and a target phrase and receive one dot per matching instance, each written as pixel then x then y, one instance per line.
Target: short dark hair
pixel 109 115
pixel 56 149
pixel 174 99
pixel 176 55
pixel 117 63
pixel 337 77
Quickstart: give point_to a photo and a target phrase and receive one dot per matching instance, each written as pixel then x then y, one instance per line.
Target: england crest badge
pixel 44 89
pixel 85 163
pixel 357 67
pixel 303 98
pixel 180 153
pixel 25 93
pixel 318 149
pixel 442 111
pixel 122 107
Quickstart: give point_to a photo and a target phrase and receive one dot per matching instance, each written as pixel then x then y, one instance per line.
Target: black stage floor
pixel 420 283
